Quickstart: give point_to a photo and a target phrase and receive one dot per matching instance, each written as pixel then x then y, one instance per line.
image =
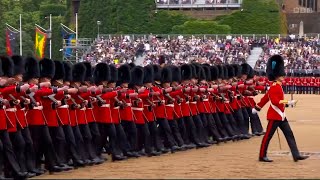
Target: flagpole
pixel 76 37
pixel 50 28
pixel 20 35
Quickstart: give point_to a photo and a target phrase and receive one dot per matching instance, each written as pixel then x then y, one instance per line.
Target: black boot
pixel 265 159
pixel 300 158
pixel 118 158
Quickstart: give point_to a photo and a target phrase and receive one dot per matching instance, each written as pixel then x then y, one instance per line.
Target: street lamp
pixel 98 23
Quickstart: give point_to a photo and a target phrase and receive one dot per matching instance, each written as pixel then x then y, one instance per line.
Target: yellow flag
pixel 40 43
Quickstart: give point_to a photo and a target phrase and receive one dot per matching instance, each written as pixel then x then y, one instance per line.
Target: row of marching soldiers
pixel 66 116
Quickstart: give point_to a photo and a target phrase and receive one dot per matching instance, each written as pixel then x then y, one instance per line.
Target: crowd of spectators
pixel 298 53
pixel 177 50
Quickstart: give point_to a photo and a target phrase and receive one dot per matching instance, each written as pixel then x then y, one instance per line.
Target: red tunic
pixel 35 116
pixel 126 113
pixel 103 113
pixel 276 110
pixel 159 110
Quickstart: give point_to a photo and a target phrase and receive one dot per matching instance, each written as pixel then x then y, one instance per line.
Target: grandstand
pixel 195 4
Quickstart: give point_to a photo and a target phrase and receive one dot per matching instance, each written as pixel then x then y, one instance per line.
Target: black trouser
pixel 1 158
pixel 9 155
pixel 59 142
pixel 222 131
pixel 131 133
pixel 240 121
pixel 108 130
pixel 204 120
pixel 155 138
pixel 286 129
pixel 183 131
pixel 233 124
pixel 212 127
pixel 96 136
pixel 81 145
pixel 246 119
pixel 166 131
pixel 255 122
pixel 43 145
pixel 19 148
pixel 122 139
pixel 176 132
pixel 191 130
pixel 29 149
pixel 87 139
pixel 226 124
pixel 144 138
pixel 200 129
pixel 72 148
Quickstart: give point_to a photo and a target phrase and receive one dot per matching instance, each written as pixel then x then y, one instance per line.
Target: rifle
pixel 33 100
pixel 74 105
pixel 54 103
pixel 100 100
pixel 13 101
pixel 83 101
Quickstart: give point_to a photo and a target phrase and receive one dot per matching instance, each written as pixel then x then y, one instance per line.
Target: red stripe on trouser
pixel 265 138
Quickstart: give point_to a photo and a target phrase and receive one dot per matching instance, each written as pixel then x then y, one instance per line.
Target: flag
pixel 68 40
pixel 40 43
pixel 11 37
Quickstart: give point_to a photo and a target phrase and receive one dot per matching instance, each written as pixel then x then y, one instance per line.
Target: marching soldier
pixel 276 116
pixel 144 137
pixel 63 116
pixel 80 104
pixel 36 118
pixel 126 113
pixel 10 160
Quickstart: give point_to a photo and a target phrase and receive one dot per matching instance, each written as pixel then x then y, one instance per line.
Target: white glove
pixel 254 111
pixel 292 102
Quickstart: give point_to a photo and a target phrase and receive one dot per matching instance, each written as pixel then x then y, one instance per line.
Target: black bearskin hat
pixel 201 73
pixel 225 70
pixel 78 72
pixel 101 73
pixel 214 71
pixel 1 71
pixel 132 65
pixel 157 72
pixel 206 68
pixel 137 74
pixel 186 72
pixel 59 72
pixel 194 71
pixel 113 73
pixel 231 71
pixel 237 70
pixel 124 74
pixel 148 74
pixel 88 71
pixel 32 69
pixel 67 71
pixel 166 75
pixel 221 72
pixel 251 73
pixel 275 67
pixel 176 73
pixel 245 69
pixel 47 68
pixel 7 66
pixel 19 64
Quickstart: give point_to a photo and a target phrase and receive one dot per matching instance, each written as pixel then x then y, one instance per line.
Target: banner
pixel 68 40
pixel 11 37
pixel 40 43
